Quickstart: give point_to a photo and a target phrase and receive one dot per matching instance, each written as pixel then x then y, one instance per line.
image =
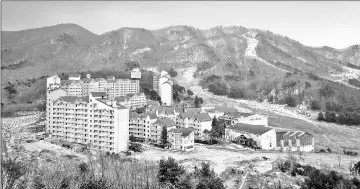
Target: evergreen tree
pixel 320 116
pixel 164 136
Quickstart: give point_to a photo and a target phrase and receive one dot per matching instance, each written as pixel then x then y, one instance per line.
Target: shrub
pixel 315 105
pixel 136 147
pixel 290 101
pixel 169 171
pixel 237 93
pixel 320 116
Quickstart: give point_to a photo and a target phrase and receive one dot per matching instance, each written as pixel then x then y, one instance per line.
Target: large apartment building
pixel 93 120
pixel 76 86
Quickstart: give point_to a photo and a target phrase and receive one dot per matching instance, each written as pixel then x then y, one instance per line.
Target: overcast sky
pixel 330 23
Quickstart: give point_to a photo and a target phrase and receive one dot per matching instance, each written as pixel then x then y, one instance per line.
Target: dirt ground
pixel 222 157
pixel 54 149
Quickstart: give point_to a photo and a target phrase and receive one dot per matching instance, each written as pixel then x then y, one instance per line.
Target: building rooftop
pixel 186 115
pixel 74 98
pixel 238 114
pixel 98 94
pixel 110 77
pixel 167 122
pixel 202 117
pixel 74 75
pixel 134 94
pixel 195 110
pixel 225 109
pixel 255 129
pixel 184 131
pixel 133 115
pixel 121 98
pixel 169 110
pixel 151 115
pixel 153 103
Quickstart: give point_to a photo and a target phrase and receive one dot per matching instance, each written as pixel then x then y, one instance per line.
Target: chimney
pixel 88 76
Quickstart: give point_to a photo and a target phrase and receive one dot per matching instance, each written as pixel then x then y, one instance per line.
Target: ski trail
pixel 251 49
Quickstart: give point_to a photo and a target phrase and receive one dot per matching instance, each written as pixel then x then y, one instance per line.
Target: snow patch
pixel 140 51
pixel 250 50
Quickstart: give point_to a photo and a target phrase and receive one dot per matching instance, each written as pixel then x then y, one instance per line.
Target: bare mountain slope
pixel 68 47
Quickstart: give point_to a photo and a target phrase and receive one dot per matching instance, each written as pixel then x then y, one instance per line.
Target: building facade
pixel 181 139
pixel 140 125
pixel 198 121
pixel 165 88
pixel 264 137
pixel 290 140
pixel 114 87
pixel 157 128
pixel 93 120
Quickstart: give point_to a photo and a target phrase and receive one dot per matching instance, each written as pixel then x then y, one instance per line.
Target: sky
pixel 320 23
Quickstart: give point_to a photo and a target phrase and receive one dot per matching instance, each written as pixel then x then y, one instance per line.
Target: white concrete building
pixel 264 137
pixel 181 139
pixel 93 120
pixel 135 73
pixel 132 101
pixel 198 121
pixel 74 76
pixel 53 82
pixel 292 140
pixel 166 89
pixel 114 87
pixel 141 124
pixel 158 126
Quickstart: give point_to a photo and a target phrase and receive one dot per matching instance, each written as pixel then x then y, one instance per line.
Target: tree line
pixel 107 172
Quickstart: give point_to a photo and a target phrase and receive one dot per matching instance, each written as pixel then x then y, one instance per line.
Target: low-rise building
pixel 181 139
pixel 132 101
pixel 157 128
pixel 292 140
pixel 252 135
pixel 168 112
pixel 198 121
pixel 140 125
pixel 74 76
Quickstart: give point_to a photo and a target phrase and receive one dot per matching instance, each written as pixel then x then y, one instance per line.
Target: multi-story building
pixel 157 128
pixel 93 120
pixel 156 78
pixel 140 125
pixel 168 112
pixel 114 87
pixel 254 135
pixel 135 73
pixel 74 76
pixel 53 82
pixel 132 101
pixel 181 139
pixel 166 89
pixel 73 87
pixel 198 121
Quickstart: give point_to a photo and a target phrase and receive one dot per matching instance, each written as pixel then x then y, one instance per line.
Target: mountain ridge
pixel 68 47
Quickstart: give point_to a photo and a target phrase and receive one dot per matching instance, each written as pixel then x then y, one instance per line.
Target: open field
pixel 221 157
pixel 326 134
